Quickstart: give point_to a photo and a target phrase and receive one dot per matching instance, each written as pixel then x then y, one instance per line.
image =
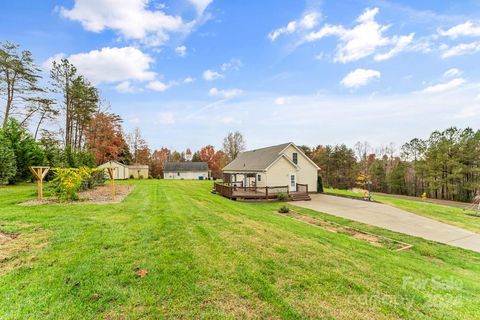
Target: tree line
pixel 446 165
pixel 88 133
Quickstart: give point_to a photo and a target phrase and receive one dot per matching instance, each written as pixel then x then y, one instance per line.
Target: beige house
pixel 186 171
pixel 281 165
pixel 122 171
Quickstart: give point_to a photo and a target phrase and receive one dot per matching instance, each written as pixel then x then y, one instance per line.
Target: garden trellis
pixel 39 172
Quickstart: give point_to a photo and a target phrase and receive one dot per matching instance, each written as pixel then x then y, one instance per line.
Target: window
pixel 292 180
pixel 295 158
pixel 259 178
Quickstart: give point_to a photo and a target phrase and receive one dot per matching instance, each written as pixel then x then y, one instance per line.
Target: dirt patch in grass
pixel 99 195
pixel 6 237
pixel 376 240
pixel 19 249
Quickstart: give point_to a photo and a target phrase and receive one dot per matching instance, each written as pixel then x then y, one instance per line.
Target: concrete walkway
pixel 394 219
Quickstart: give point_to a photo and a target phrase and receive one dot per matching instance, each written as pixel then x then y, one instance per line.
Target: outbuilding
pixel 120 172
pixel 186 171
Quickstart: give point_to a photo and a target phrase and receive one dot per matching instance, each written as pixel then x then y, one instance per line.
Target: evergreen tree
pixel 8 167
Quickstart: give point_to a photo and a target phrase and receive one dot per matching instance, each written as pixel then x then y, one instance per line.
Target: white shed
pixel 121 171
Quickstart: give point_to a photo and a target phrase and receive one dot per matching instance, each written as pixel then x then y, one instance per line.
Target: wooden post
pixel 266 193
pixel 111 170
pixel 39 173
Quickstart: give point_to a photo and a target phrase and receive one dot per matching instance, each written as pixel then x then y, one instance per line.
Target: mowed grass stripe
pixel 209 257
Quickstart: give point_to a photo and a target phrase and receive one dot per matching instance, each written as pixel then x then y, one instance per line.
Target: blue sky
pixel 314 72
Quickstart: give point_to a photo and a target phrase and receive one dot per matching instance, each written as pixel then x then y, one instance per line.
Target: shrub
pixel 284 209
pixel 66 183
pixel 319 184
pixel 91 178
pixel 26 150
pixel 69 181
pixel 140 177
pixel 131 176
pixel 282 196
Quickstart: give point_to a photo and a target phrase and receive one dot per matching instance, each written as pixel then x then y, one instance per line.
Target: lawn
pixel 209 257
pixel 451 215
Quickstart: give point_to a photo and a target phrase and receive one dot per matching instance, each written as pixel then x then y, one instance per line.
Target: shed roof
pixel 138 166
pixel 112 163
pixel 256 160
pixel 185 166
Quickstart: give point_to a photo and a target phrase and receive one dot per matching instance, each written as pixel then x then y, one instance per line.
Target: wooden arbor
pixel 111 171
pixel 39 173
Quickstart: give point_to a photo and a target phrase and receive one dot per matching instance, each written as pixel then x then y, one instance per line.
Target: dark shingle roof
pixel 258 159
pixel 185 166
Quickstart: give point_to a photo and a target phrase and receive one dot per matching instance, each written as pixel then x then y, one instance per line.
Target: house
pixel 186 171
pixel 277 166
pixel 122 171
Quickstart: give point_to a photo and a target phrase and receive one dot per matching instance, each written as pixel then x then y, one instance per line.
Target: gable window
pixel 259 178
pixel 295 158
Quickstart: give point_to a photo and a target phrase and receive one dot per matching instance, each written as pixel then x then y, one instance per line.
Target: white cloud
pixel 308 21
pixel 181 51
pixel 465 29
pixel 132 19
pixel 402 42
pixel 134 120
pixel 233 64
pixel 200 5
pixel 359 77
pixel 111 64
pixel 460 49
pixel 280 101
pixel 47 64
pixel 211 75
pixel 188 80
pixel 229 120
pixel 442 87
pixel 452 72
pixel 166 118
pixel 362 40
pixel 157 86
pixel 125 87
pixel 227 93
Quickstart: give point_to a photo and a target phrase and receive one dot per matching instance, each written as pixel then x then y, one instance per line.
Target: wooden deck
pixel 236 191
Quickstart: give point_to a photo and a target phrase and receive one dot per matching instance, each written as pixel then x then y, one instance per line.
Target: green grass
pixel 209 257
pixel 451 215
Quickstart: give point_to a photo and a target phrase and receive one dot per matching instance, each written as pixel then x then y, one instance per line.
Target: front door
pixel 292 186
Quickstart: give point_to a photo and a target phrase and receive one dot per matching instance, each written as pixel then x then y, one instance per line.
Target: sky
pixel 187 72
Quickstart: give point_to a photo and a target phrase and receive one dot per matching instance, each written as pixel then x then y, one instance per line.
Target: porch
pixel 236 190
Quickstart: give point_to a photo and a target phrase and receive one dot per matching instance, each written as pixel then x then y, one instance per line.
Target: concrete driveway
pixel 394 219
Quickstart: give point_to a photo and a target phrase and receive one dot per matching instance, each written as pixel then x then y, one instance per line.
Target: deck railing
pixel 233 191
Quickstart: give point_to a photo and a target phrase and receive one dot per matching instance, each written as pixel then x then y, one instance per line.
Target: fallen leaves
pixel 141 272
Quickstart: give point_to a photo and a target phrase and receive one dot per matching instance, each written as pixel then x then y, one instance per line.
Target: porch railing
pixel 232 191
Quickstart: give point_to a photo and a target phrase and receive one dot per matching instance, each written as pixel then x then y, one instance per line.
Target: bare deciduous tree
pixel 233 144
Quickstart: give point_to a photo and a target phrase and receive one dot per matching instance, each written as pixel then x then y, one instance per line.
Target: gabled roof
pixel 111 162
pixel 185 166
pixel 256 160
pixel 262 159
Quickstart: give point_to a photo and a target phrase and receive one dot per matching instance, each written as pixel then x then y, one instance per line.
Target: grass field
pixel 209 257
pixel 451 215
